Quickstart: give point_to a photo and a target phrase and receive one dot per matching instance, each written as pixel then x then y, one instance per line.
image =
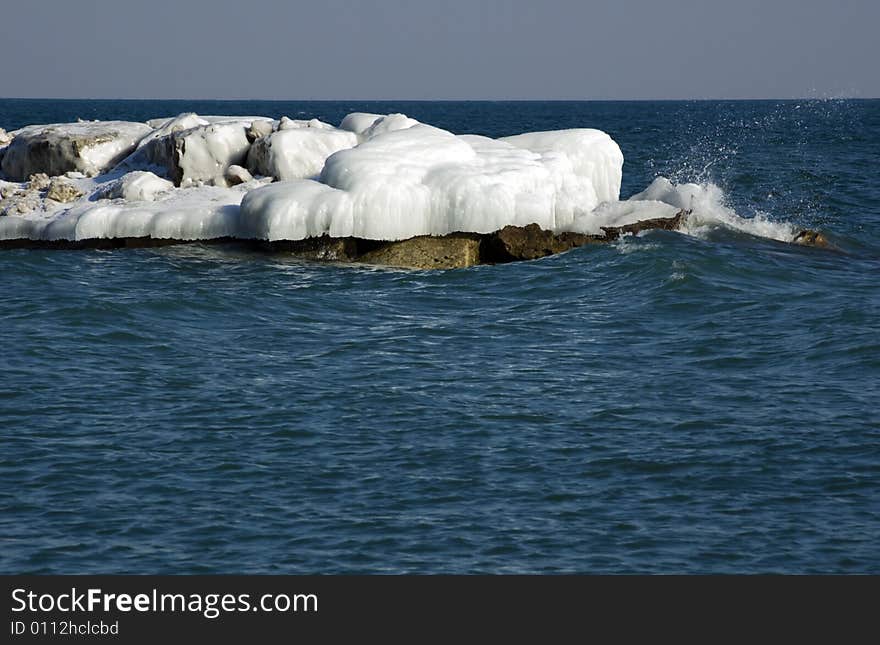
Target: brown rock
pixel 38 181
pixel 61 190
pixel 808 237
pixel 326 248
pixel 454 251
pixel 530 242
pixel 663 223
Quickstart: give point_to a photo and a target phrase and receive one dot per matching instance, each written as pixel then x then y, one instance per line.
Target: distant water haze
pixel 453 49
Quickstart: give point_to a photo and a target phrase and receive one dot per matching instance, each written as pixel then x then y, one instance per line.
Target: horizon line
pixel 443 100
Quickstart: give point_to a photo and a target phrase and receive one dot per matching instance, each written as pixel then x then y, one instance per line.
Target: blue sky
pixel 455 49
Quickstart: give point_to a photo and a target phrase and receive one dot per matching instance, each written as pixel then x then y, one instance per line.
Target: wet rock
pixel 448 252
pixel 88 147
pixel 454 251
pixel 809 237
pixel 62 190
pixel 661 223
pixel 325 248
pixel 513 243
pixel 459 250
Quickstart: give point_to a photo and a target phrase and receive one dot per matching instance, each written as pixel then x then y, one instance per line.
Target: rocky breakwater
pixel 377 189
pixel 461 250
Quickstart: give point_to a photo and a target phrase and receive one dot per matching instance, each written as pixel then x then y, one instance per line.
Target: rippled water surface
pixel 664 404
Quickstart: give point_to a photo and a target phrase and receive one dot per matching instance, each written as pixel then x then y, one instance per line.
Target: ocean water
pixel 668 403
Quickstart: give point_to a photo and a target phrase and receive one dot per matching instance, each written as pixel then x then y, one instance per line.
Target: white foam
pixel 616 214
pixel 710 212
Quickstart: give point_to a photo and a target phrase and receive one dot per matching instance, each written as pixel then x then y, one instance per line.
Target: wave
pixel 709 211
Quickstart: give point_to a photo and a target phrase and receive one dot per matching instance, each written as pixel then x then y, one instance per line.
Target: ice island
pixel 379 189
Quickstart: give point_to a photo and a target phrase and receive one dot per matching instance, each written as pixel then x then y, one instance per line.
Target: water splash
pixel 709 211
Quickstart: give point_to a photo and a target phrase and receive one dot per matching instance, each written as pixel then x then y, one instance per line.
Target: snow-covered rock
pixel 5 140
pixel 379 177
pixel 592 154
pixel 190 151
pixel 135 186
pixel 294 124
pixel 236 175
pixel 204 153
pixel 357 122
pixel 87 147
pixel 201 213
pixel 156 151
pixel 297 153
pixel 421 180
pixel 259 129
pixel 367 126
pixel 390 123
pixel 18 201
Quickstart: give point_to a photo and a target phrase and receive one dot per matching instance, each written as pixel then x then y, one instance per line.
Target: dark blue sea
pixel 665 404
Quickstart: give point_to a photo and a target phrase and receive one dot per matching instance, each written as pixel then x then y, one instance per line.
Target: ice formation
pixel 89 147
pixel 382 177
pixel 421 180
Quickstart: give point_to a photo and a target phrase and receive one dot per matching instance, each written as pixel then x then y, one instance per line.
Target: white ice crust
pixel 383 177
pixel 410 180
pixel 137 186
pixel 357 122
